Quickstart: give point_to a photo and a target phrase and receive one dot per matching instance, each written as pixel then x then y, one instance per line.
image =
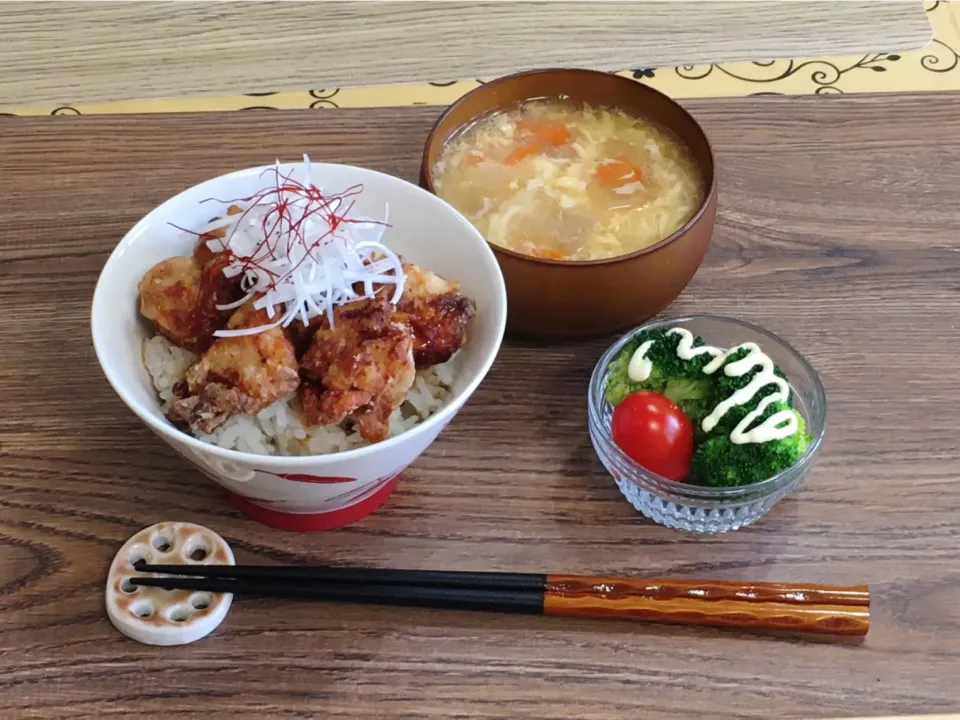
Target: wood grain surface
pixel 838 229
pixel 752 606
pixel 675 589
pixel 822 619
pixel 110 51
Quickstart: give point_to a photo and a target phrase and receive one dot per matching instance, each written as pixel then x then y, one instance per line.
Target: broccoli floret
pixel 692 395
pixel 680 380
pixel 718 462
pixel 724 386
pixel 619 385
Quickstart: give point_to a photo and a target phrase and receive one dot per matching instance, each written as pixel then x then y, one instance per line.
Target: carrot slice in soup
pixel 535 136
pixel 472 157
pixel 548 254
pixel 617 171
pixel 549 132
pixel 524 151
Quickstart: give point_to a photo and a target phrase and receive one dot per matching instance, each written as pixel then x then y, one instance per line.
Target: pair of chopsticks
pixel 821 609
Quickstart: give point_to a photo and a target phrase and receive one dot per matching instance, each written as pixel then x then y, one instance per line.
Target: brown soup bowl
pixel 554 299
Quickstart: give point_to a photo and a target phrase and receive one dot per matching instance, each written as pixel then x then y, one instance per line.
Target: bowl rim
pixel 686 491
pixel 171 434
pixel 636 86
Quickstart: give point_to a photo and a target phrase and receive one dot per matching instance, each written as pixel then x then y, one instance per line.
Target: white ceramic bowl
pixel 322 491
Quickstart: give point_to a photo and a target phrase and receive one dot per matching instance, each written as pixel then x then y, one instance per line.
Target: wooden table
pixel 839 228
pixel 130 51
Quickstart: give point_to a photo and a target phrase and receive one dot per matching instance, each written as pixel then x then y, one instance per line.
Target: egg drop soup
pixel 566 181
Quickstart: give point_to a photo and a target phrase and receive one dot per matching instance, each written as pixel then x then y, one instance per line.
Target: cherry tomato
pixel 655 433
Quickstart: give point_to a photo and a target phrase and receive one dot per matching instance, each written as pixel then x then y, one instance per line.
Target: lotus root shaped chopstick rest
pixel 167 617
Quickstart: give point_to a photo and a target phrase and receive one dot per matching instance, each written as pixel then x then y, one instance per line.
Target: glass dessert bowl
pixel 700 507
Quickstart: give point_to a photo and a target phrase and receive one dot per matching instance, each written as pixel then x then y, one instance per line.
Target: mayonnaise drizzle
pixel 779 425
pixel 685 348
pixel 640 367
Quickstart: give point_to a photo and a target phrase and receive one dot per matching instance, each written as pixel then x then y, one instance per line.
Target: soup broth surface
pixel 565 181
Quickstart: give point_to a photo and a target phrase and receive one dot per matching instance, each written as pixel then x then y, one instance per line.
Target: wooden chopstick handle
pixel 676 589
pixel 754 606
pixel 821 619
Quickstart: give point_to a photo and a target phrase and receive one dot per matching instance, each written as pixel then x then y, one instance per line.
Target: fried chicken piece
pixel 180 298
pixel 302 335
pixel 362 366
pixel 237 375
pixel 324 407
pixel 205 254
pixel 436 313
pixel 180 294
pixel 373 419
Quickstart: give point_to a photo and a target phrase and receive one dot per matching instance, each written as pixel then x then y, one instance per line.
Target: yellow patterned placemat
pixel 933 68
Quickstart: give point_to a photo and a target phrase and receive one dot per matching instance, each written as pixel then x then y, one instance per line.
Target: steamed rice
pixel 279 428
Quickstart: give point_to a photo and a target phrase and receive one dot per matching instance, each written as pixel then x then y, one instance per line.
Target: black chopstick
pixel 378 576
pixel 820 609
pixel 528 602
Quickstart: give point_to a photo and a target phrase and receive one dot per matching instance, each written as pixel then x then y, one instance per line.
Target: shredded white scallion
pixel 301 254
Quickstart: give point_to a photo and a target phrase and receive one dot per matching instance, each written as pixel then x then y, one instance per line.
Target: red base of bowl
pixel 308 522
